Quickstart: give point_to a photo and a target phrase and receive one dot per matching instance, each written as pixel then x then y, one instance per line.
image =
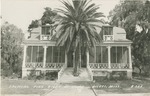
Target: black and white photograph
pixel 75 48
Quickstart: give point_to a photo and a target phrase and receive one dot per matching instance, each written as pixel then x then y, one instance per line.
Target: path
pixel 73 86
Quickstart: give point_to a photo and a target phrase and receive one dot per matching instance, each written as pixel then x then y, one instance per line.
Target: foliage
pixel 32 75
pixel 133 15
pixel 51 75
pixel 49 17
pixel 11 58
pixel 78 22
pixel 34 24
pixel 42 76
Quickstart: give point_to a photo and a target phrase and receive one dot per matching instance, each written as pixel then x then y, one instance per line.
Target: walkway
pixel 80 86
pixel 73 86
pixel 68 77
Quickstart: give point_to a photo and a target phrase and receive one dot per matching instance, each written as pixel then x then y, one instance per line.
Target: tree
pixel 12 38
pixel 133 14
pixel 49 17
pixel 77 28
pixel 34 24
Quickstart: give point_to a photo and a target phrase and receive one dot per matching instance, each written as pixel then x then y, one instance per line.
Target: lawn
pixel 101 87
pixel 10 86
pixel 122 86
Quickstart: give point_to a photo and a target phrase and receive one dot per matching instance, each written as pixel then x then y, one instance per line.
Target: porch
pixel 106 58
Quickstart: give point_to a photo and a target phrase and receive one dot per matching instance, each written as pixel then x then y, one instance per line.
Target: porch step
pixel 67 76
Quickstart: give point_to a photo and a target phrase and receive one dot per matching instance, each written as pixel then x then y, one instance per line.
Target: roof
pixel 36 30
pixel 119 35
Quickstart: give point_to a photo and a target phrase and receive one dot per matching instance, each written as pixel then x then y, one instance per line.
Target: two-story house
pixel 112 55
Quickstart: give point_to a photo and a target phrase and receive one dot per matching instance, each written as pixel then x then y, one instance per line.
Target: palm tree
pixel 78 22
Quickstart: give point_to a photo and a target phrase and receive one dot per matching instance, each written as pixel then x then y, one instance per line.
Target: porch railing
pixel 41 65
pixel 54 65
pixel 119 65
pixel 105 65
pixel 98 65
pixel 45 37
pixel 34 65
pixel 108 37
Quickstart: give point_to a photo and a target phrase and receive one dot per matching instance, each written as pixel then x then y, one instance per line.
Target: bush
pixel 32 75
pixel 51 75
pixel 118 75
pixel 48 76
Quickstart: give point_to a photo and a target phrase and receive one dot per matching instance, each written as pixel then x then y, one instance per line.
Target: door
pixel 83 60
pixel 70 59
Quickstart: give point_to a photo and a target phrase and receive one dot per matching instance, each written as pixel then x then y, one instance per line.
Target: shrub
pixel 51 75
pixel 32 75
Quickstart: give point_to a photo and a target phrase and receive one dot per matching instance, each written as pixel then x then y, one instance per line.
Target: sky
pixel 22 12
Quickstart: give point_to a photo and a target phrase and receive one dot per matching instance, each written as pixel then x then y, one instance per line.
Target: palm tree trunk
pixel 79 55
pixel 78 63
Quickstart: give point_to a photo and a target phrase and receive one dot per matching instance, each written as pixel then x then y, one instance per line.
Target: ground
pixel 102 87
pixel 123 86
pixel 10 86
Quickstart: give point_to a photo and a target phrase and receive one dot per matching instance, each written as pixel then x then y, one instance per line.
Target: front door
pixel 83 60
pixel 70 59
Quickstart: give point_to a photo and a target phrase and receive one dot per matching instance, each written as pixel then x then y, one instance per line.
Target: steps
pixel 68 77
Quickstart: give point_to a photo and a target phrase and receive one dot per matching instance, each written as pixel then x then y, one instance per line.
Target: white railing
pixel 54 65
pixel 45 37
pixel 108 37
pixel 34 65
pixel 119 65
pixel 98 65
pixel 40 65
pixel 62 71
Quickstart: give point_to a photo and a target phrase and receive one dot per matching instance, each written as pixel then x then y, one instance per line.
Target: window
pixel 107 30
pixel 28 55
pixel 101 55
pixel 119 55
pixel 40 54
pixel 46 30
pixel 35 54
pixel 62 55
pixel 49 54
pixel 55 54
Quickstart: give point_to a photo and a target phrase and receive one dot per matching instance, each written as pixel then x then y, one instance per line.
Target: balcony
pixel 108 38
pixel 45 37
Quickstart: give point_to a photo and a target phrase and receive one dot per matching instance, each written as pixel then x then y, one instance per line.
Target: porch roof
pixel 38 42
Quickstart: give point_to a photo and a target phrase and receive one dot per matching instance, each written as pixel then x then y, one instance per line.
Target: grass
pixel 122 86
pixel 101 87
pixel 26 86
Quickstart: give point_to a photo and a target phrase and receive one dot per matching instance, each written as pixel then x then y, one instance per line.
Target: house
pixel 112 55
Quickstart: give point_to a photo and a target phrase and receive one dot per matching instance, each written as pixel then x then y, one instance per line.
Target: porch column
pixel 129 72
pixel 109 62
pixel 130 59
pixel 87 56
pixel 44 59
pixel 24 71
pixel 24 56
pixel 109 58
